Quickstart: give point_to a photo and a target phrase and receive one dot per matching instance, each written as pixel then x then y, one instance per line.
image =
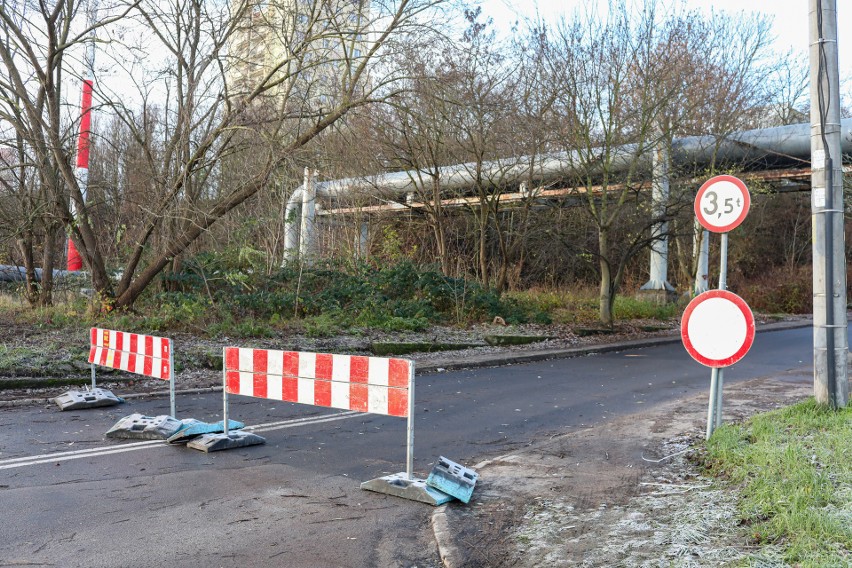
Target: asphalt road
pixel 72 498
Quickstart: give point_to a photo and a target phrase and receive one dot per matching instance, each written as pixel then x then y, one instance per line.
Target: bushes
pixel 327 297
pixel 780 291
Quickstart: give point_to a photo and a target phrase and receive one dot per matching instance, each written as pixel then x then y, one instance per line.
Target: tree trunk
pixel 47 264
pixel 607 299
pixel 438 226
pixel 484 276
pixel 31 286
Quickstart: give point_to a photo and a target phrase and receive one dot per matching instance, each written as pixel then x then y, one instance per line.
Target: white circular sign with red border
pixel 722 203
pixel 717 328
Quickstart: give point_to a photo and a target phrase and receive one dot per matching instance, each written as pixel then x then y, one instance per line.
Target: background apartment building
pixel 305 51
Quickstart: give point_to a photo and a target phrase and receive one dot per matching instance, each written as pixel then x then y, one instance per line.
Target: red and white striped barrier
pixel 377 385
pixel 146 355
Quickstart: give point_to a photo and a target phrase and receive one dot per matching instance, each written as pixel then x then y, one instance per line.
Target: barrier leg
pixel 172 381
pixel 227 439
pixel 93 376
pixel 409 451
pixel 224 394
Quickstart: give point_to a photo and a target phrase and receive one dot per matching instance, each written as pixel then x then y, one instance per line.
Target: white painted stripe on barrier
pixel 378 371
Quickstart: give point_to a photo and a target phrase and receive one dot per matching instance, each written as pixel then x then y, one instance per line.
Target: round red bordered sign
pixel 722 203
pixel 717 328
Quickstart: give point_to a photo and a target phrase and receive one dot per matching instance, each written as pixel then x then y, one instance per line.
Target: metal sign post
pixel 721 205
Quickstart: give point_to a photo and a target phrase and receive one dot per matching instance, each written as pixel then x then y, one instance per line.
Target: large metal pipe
pixel 12 273
pixel 783 142
pixel 791 141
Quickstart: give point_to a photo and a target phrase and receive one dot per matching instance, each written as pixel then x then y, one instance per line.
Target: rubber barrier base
pixel 453 479
pixel 137 426
pixel 217 442
pixel 194 428
pixel 94 398
pixel 399 485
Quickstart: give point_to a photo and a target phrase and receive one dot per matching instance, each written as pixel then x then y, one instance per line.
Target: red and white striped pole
pixel 75 261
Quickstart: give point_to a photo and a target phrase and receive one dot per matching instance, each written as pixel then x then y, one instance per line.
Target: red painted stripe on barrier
pixel 359 369
pixel 290 389
pixel 134 343
pixel 232 359
pixel 323 372
pixel 291 364
pixel 398 373
pixel 322 393
pixel 232 381
pixel 93 337
pixel 92 351
pixel 398 402
pixel 149 345
pixel 324 366
pixel 259 360
pixel 103 358
pixel 119 340
pixel 359 396
pixel 148 367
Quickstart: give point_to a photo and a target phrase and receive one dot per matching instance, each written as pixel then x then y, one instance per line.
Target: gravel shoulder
pixel 624 493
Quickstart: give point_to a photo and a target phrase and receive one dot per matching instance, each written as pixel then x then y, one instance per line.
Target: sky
pixel 790 19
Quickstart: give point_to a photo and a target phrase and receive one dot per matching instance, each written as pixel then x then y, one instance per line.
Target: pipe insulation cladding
pixel 787 142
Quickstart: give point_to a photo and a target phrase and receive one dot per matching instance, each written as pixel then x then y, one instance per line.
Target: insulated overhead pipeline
pixel 781 142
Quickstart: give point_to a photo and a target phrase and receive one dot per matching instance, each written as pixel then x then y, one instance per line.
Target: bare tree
pixel 221 105
pixel 626 85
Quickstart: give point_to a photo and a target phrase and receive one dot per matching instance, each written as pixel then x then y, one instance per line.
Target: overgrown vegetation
pixel 794 475
pixel 225 295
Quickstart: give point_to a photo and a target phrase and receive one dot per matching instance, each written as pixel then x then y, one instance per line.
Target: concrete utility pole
pixel 831 383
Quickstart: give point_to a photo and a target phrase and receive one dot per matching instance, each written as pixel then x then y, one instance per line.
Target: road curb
pixel 473 361
pixel 513 358
pixel 450 555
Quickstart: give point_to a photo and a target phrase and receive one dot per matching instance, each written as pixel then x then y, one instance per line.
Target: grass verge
pixel 794 470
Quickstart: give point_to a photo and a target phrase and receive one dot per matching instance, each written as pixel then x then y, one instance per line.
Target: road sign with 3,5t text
pixel 717 328
pixel 722 203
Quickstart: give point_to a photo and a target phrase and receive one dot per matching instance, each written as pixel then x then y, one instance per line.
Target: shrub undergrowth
pixel 323 299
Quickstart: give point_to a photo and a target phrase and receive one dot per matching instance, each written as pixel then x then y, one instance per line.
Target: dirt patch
pixel 621 494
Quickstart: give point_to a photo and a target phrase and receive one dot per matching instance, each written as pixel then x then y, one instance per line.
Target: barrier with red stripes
pixel 146 355
pixel 377 385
